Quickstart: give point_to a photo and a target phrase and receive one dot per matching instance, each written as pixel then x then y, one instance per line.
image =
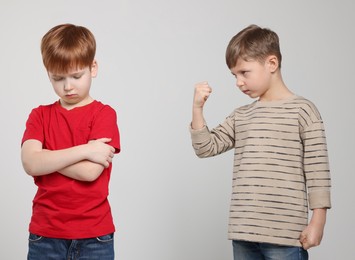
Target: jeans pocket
pixel 105 238
pixel 303 255
pixel 34 238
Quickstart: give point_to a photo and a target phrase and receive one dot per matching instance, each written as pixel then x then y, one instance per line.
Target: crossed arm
pixel 83 162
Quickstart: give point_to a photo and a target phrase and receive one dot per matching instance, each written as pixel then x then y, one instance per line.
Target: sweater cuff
pixel 319 199
pixel 199 135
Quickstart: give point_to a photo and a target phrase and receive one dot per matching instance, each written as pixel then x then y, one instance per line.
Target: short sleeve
pixel 34 126
pixel 105 126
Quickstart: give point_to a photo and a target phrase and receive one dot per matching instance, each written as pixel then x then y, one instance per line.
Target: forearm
pixel 319 217
pixel 198 120
pixel 37 161
pixel 83 171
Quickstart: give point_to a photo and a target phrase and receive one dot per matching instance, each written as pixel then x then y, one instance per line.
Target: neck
pixel 277 91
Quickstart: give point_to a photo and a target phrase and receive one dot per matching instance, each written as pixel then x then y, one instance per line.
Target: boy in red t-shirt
pixel 68 148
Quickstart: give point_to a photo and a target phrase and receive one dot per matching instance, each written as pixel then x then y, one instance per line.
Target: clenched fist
pixel 202 92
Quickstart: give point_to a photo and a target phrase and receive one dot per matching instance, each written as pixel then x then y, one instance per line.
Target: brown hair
pixel 253 43
pixel 66 47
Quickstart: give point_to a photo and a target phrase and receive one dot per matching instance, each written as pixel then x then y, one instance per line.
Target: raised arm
pixel 93 156
pixel 209 143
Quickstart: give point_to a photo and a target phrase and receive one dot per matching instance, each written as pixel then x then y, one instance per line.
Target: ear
pixel 94 69
pixel 272 62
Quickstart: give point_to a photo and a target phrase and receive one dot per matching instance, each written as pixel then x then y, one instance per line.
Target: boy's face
pixel 73 88
pixel 253 77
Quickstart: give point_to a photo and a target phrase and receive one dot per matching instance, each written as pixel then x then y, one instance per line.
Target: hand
pixel 313 233
pixel 202 92
pixel 311 236
pixel 100 152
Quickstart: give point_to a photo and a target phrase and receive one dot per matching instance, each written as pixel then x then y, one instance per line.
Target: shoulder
pixel 100 108
pixel 43 108
pixel 307 108
pixel 47 106
pixel 100 105
pixel 303 102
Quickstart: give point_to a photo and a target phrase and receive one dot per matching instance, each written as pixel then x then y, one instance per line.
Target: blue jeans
pixel 43 248
pixel 243 250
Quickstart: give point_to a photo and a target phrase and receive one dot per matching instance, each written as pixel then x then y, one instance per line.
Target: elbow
pixel 90 178
pixel 31 165
pixel 33 171
pixel 33 168
pixel 204 153
pixel 28 171
pixel 29 168
pixel 200 155
pixel 93 173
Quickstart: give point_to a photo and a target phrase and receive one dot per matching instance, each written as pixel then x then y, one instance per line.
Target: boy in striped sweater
pixel 280 154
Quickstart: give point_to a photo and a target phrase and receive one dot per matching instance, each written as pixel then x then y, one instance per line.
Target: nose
pixel 239 83
pixel 67 85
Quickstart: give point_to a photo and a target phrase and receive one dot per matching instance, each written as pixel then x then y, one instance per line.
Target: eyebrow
pixel 242 69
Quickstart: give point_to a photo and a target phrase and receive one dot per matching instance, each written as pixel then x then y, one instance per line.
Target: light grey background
pixel 167 203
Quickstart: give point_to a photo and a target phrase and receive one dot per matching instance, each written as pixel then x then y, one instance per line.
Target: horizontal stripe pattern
pixel 280 167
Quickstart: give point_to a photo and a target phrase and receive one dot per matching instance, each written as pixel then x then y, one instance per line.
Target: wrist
pixel 83 151
pixel 197 107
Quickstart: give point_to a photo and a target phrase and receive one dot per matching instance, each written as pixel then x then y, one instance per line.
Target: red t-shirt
pixel 64 207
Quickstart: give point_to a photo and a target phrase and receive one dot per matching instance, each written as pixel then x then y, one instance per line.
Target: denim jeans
pixel 43 248
pixel 243 250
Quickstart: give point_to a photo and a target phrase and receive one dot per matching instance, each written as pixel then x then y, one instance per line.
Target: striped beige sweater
pixel 280 167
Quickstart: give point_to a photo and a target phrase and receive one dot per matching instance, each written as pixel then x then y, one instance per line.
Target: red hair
pixel 66 47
